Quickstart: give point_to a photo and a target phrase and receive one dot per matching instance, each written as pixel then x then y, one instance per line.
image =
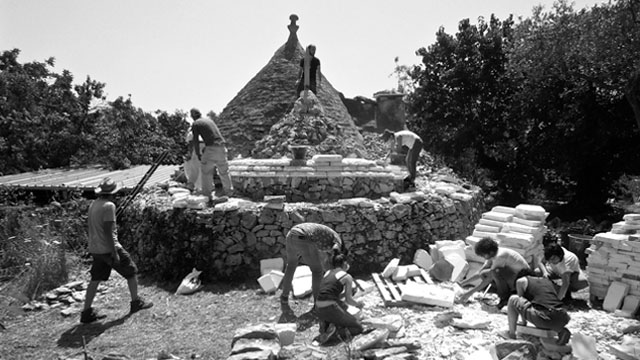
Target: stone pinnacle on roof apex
pixel 293 27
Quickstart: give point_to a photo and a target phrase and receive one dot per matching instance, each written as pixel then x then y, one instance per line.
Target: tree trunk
pixel 632 94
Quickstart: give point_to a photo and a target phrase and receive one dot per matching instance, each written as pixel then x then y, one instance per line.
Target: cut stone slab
pixel 631 304
pixel 497 216
pixel 266 265
pixel 615 295
pixel 531 210
pixel 401 273
pixel 446 243
pixel 260 331
pixel 504 209
pixel 534 331
pixel 301 282
pixel 631 217
pixel 446 251
pixel 428 294
pixel 270 281
pixel 384 353
pixel 252 345
pixel 487 228
pixel 460 266
pixel 367 341
pixel 550 344
pixel 391 268
pixel 433 251
pixel 470 323
pixel 364 288
pixel 422 259
pixel 413 270
pixel 286 333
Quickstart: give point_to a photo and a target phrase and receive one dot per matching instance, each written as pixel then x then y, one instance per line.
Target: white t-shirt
pixel 100 212
pixel 570 263
pixel 509 258
pixel 406 138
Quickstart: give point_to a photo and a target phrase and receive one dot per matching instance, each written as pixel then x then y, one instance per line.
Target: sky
pixel 178 54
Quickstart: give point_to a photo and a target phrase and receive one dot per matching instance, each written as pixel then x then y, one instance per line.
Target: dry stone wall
pixel 228 241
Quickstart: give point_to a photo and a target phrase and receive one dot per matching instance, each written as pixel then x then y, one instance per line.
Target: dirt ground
pixel 201 325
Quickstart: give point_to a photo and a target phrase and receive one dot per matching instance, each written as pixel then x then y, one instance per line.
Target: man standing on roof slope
pixel 309 70
pixel 107 253
pixel 214 154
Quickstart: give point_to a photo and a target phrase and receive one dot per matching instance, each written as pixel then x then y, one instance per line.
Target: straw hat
pixel 107 186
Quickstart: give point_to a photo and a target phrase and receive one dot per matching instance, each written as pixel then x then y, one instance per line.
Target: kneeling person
pixel 538 302
pixel 564 265
pixel 330 308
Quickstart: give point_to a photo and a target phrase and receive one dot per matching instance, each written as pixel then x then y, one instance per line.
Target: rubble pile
pixel 613 266
pixel 320 133
pixel 68 297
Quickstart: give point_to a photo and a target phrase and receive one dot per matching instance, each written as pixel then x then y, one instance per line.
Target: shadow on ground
pixel 82 334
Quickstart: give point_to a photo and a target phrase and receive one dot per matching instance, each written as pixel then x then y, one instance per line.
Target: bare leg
pixel 512 315
pixel 133 287
pixel 92 288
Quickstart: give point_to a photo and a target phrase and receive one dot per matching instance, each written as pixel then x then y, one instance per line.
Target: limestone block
pixel 449 243
pixel 413 270
pixel 266 265
pixel 433 251
pixel 488 222
pixel 367 341
pixel 531 210
pixel 472 240
pixel 534 331
pixel 270 281
pixel 326 158
pixel 461 196
pixel 474 267
pixel 519 240
pixel 391 268
pixel 497 216
pixel 301 281
pixel 504 209
pixel 446 251
pixel 428 294
pixel 615 295
pixel 471 256
pixel 631 217
pixel 482 234
pixel 631 304
pixel 460 266
pixel 532 223
pixel 286 333
pixel 550 344
pixel 400 274
pixel 487 228
pixel 254 355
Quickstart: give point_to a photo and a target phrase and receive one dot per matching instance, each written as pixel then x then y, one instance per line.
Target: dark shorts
pixel 540 316
pixel 103 263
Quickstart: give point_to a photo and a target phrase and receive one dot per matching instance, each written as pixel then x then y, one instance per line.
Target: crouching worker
pixel 313 244
pixel 538 303
pixel 411 141
pixel 501 269
pixel 330 308
pixel 564 265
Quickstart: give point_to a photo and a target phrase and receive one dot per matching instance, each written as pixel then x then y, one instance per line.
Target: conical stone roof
pixel 270 95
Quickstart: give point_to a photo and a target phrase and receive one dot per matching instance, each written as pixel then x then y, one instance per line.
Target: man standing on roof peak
pixel 309 71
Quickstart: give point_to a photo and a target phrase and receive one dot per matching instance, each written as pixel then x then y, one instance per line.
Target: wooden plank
pixel 382 288
pixel 394 291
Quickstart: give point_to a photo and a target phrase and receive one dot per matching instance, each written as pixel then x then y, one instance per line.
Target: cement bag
pixel 175 190
pixel 197 201
pixel 192 171
pixel 190 283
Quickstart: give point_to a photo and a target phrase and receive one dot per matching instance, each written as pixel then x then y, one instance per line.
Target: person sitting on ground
pixel 564 265
pixel 313 244
pixel 107 253
pixel 330 308
pixel 501 268
pixel 537 301
pixel 412 142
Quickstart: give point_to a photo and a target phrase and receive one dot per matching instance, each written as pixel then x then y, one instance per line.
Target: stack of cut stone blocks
pixel 613 266
pixel 520 229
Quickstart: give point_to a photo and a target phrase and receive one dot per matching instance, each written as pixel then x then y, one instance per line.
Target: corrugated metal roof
pixel 86 178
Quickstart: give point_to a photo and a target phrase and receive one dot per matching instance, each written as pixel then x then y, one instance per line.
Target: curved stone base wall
pixel 228 241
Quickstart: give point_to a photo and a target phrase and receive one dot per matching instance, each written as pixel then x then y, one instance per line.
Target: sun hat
pixel 107 186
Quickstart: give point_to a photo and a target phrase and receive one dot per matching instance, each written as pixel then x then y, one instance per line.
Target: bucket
pixel 578 243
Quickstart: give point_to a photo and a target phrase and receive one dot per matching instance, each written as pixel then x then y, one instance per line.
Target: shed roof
pixel 86 178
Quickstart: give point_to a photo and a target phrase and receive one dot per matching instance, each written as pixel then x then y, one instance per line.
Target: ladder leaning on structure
pixel 141 183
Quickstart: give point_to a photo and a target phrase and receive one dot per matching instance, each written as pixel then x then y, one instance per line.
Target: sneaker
pixel 325 336
pixel 140 304
pixel 90 315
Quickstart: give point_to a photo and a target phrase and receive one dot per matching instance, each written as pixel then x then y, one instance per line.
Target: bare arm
pixel 109 232
pixel 566 279
pixel 347 281
pixel 521 286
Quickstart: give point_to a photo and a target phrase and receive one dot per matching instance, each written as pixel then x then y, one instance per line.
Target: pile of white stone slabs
pixel 391 290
